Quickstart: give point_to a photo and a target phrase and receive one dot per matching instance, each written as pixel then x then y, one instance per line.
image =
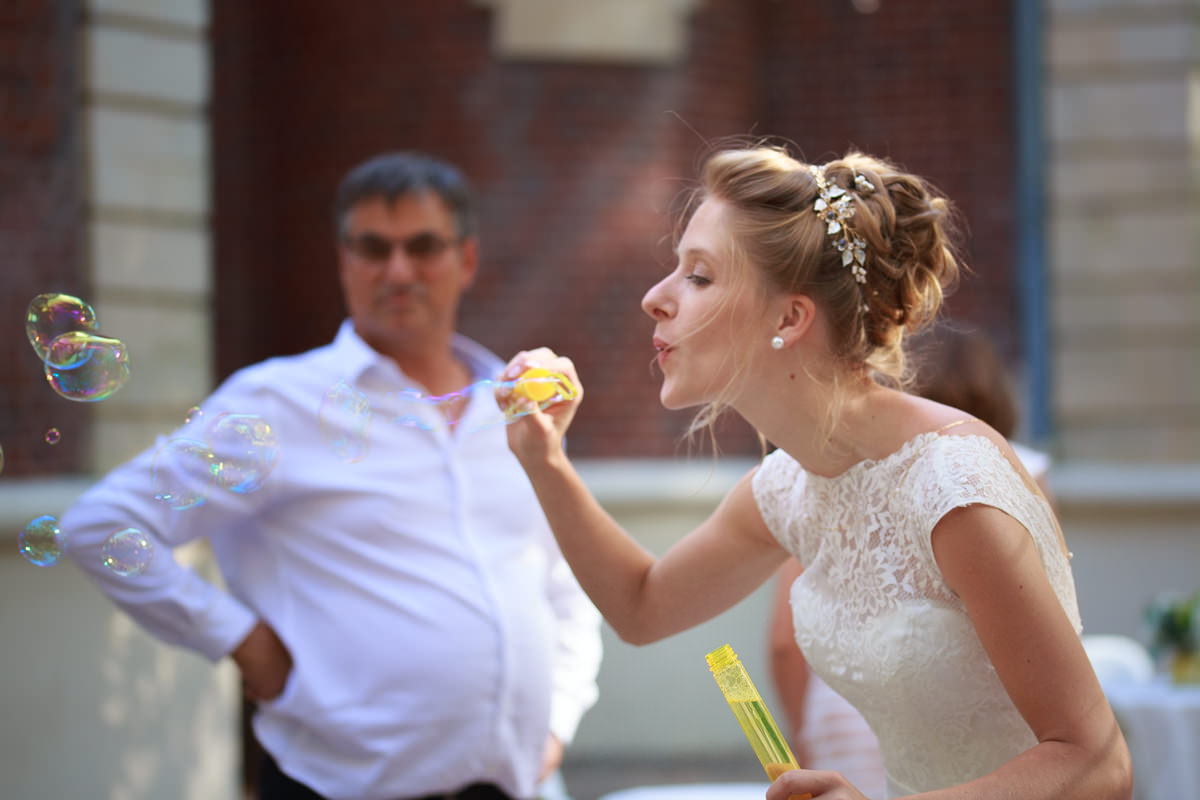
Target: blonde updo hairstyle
pixel 908 228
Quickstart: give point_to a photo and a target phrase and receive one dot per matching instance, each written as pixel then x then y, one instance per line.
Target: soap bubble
pixel 412 408
pixel 185 471
pixel 42 542
pixel 86 367
pixel 53 436
pixel 245 450
pixel 194 413
pixel 344 416
pixel 127 552
pixel 51 315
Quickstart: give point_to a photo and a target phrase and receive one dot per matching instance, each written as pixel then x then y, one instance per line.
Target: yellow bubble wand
pixel 752 714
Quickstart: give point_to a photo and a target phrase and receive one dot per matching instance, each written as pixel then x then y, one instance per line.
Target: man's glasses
pixel 375 248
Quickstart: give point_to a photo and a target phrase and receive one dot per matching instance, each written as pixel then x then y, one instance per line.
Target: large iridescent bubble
pixel 52 314
pixel 42 542
pixel 344 417
pixel 86 367
pixel 245 449
pixel 127 552
pixel 185 472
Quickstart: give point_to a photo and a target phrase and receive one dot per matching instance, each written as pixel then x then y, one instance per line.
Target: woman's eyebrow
pixel 692 252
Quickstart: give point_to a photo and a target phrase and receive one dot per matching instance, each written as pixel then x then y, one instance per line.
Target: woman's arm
pixel 643 599
pixel 991 562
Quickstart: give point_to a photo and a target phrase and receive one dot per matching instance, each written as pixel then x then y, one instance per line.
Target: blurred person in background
pixel 396 603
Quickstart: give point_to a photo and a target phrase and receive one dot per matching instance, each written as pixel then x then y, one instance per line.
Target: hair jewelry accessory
pixel 776 342
pixel 835 206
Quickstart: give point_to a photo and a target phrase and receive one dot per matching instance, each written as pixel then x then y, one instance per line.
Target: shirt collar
pixel 357 357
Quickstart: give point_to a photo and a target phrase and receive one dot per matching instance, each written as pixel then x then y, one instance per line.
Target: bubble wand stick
pixel 752 714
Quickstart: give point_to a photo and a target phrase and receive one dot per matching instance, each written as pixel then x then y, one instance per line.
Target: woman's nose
pixel 654 302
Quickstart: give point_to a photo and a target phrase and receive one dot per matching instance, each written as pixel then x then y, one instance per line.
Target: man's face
pixel 404 269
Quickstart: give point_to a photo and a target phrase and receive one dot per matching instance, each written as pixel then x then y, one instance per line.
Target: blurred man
pixel 396 603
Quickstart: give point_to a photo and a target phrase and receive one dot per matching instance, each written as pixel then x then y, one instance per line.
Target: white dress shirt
pixel 438 635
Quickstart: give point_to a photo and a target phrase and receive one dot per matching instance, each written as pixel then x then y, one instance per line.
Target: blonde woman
pixel 936 595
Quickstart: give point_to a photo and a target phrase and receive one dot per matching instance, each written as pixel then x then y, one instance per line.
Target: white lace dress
pixel 874 616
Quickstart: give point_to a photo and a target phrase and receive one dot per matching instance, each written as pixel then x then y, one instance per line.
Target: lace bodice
pixel 874 616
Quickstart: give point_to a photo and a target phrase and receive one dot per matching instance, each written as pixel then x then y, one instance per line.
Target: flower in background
pixel 1174 624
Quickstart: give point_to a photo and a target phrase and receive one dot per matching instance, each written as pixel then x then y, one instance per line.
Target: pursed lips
pixel 663 349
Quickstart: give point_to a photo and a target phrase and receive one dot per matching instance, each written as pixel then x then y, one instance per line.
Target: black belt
pixel 476 791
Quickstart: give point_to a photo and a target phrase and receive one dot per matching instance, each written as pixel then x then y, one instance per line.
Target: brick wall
pixel 576 163
pixel 40 216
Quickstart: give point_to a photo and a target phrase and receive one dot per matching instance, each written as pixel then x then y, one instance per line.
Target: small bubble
pixel 127 552
pixel 194 413
pixel 42 542
pixel 344 416
pixel 53 436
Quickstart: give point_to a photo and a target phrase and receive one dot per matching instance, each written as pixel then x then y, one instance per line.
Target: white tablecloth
pixel 1161 723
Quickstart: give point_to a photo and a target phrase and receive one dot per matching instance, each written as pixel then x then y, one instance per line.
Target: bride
pixel 937 594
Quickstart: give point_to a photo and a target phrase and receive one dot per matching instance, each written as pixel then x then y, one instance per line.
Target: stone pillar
pixel 1122 176
pixel 145 92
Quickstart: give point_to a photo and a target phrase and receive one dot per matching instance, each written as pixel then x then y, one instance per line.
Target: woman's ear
pixel 796 318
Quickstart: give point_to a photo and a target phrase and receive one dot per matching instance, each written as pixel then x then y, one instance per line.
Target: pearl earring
pixel 777 343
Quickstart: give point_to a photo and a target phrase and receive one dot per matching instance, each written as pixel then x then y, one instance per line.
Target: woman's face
pixel 703 310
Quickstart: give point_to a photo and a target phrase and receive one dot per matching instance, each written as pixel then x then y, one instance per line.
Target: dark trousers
pixel 274 785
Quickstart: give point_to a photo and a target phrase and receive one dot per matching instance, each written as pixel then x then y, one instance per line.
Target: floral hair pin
pixel 835 206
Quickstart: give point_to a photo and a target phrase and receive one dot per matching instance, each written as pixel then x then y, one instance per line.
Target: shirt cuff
pixel 230 622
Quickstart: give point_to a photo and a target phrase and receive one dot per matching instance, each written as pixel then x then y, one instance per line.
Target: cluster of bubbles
pixel 80 365
pixel 78 362
pixel 237 453
pixel 345 414
pixel 127 552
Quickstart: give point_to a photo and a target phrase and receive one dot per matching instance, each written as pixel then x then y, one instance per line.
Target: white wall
pixel 90 706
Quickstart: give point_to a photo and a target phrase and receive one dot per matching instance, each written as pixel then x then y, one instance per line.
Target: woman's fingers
pixel 800 783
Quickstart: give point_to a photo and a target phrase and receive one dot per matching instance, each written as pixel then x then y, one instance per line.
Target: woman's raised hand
pixel 537 432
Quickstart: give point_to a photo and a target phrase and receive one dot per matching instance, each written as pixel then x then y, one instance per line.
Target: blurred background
pixel 173 163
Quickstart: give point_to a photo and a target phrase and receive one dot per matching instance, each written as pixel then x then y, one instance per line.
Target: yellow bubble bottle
pixel 540 384
pixel 752 714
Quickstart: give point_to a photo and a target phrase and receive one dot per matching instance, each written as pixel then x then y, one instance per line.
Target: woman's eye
pixel 698 280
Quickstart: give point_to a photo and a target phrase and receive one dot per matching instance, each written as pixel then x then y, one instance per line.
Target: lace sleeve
pixel 971 470
pixel 778 485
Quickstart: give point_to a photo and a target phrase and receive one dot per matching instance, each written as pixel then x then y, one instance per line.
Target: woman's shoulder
pixel 778 470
